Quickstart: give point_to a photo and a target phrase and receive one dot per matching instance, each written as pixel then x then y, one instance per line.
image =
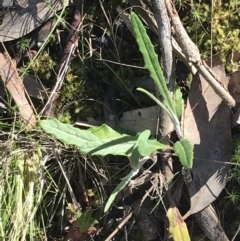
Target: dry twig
pixel 65 61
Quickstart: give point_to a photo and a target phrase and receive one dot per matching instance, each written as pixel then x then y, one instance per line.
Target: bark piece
pixel 14 85
pixel 210 224
pixel 207 125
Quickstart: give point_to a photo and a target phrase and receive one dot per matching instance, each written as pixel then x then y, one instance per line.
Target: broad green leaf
pixel 85 221
pixel 122 145
pixel 120 186
pixel 104 131
pixel 149 147
pixel 177 226
pixel 184 150
pixel 144 135
pixel 67 133
pixel 178 101
pixel 89 143
pixel 151 59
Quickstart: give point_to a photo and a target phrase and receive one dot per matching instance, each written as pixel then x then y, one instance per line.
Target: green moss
pixel 225 30
pixel 43 67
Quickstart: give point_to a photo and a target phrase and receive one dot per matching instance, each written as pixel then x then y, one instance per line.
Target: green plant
pixel 104 140
pixel 182 148
pixel 233 197
pixel 213 25
pixel 23 44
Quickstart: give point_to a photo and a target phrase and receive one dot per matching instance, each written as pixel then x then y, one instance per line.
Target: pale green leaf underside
pixel 178 101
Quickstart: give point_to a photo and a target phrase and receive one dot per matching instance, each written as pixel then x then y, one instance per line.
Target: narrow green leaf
pixel 120 186
pixel 184 150
pixel 151 59
pixel 154 99
pixel 172 115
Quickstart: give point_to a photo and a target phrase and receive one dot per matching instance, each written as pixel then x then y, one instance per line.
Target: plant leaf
pixel 104 131
pixel 134 158
pixel 144 135
pixel 149 147
pixel 172 115
pixel 89 143
pixel 151 59
pixel 67 133
pixel 184 150
pixel 119 187
pixel 85 221
pixel 154 99
pixel 115 146
pixel 177 227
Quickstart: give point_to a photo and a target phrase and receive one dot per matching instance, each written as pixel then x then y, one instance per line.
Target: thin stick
pixel 69 50
pixel 192 54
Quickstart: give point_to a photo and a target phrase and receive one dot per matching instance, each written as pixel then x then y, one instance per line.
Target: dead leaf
pixel 177 227
pixel 26 15
pixel 137 120
pixel 207 125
